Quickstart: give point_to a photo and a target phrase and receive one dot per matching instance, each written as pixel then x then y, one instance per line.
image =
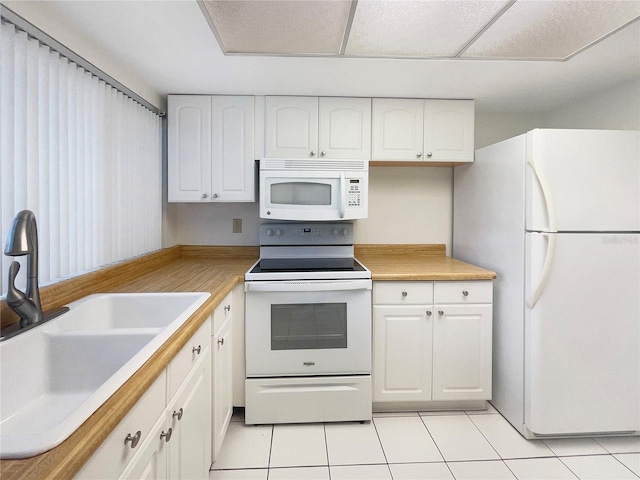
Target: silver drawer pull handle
pixel 133 439
pixel 440 312
pixel 178 414
pixel 196 350
pixel 221 341
pixel 404 294
pixel 167 435
pixel 227 308
pixel 465 293
pixel 308 364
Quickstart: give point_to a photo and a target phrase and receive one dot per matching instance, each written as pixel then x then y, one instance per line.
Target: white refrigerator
pixel 556 214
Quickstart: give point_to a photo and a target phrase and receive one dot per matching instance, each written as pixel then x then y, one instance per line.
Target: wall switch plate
pixel 237 225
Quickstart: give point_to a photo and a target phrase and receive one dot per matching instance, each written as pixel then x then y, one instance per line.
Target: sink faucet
pixel 23 240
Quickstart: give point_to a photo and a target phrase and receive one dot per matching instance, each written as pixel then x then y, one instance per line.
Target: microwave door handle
pixel 343 194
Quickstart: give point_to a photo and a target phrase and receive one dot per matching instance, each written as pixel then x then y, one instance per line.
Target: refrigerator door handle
pixel 551 222
pixel 546 195
pixel 546 269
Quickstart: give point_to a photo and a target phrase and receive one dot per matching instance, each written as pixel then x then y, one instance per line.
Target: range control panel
pixel 296 233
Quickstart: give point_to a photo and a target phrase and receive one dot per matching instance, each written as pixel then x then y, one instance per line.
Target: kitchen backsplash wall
pixel 406 205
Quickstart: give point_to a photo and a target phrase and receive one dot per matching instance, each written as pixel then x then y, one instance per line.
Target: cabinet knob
pixel 404 294
pixel 465 293
pixel 227 308
pixel 419 155
pixel 428 313
pixel 323 153
pixel 197 349
pixel 429 154
pixel 440 312
pixel 221 341
pixel 133 439
pixel 313 153
pixel 166 435
pixel 215 195
pixel 178 414
pixel 204 195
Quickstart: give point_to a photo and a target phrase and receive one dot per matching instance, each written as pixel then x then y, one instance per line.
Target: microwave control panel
pixel 354 193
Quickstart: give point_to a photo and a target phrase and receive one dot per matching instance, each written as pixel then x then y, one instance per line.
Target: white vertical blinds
pixel 85 158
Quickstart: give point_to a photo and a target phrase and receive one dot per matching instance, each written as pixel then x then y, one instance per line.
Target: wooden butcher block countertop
pixel 193 269
pixel 417 262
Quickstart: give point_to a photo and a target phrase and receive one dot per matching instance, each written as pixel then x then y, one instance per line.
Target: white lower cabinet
pixel 402 353
pixel 432 341
pixel 222 360
pixel 167 434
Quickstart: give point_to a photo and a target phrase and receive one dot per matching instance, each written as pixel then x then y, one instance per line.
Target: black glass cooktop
pixel 270 265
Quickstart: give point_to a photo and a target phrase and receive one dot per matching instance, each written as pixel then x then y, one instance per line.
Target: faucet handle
pixel 15 297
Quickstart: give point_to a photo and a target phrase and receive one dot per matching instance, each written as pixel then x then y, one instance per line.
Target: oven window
pixel 308 326
pixel 301 193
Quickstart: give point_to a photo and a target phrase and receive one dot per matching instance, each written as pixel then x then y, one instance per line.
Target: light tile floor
pixel 418 445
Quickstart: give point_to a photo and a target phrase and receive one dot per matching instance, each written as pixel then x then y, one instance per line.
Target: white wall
pixel 616 108
pixel 49 20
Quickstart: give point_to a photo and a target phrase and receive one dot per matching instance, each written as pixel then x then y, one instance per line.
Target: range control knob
pixel 279 232
pixel 334 231
pixel 345 232
pixel 269 232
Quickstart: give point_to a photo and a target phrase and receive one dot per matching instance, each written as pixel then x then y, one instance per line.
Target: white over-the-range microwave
pixel 313 189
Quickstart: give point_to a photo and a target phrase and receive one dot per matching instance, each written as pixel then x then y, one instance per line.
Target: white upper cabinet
pixel 189 148
pixel 312 127
pixel 449 130
pixel 291 127
pixel 210 148
pixel 423 130
pixel 233 175
pixel 398 125
pixel 345 128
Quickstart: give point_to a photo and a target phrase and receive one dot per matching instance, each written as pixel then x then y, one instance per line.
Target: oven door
pixel 308 327
pixel 313 196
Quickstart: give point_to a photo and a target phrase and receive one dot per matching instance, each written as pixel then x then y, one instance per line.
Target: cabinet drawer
pixel 402 293
pixel 186 358
pixel 222 312
pixel 114 454
pixel 476 291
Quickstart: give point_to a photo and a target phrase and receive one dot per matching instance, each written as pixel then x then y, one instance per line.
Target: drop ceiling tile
pixel 417 28
pixel 280 27
pixel 552 29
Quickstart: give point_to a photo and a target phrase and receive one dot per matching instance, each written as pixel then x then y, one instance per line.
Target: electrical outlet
pixel 237 225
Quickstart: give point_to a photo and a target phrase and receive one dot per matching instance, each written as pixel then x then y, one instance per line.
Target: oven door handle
pixel 310 286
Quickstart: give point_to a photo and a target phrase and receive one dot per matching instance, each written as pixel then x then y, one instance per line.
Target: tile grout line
pixel 326 448
pixel 436 444
pixel 381 446
pixel 270 451
pixel 491 444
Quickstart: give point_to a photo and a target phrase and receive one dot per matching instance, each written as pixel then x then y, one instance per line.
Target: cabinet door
pixel 190 414
pixel 189 148
pixel 129 437
pixel 398 125
pixel 150 462
pixel 233 175
pixel 237 328
pixel 345 128
pixel 449 130
pixel 462 352
pixel 402 353
pixel 291 129
pixel 223 387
